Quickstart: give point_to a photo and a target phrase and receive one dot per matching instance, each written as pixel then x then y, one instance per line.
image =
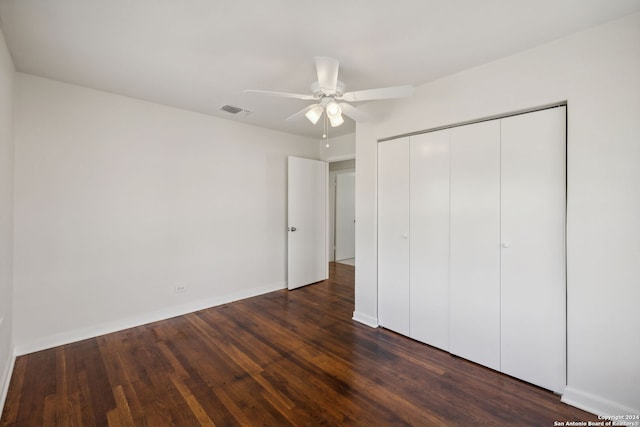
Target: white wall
pixel 597 72
pixel 340 147
pixel 118 201
pixel 366 276
pixel 6 216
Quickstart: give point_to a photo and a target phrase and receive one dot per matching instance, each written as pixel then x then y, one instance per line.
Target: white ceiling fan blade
pixel 327 69
pixel 351 111
pixel 301 113
pixel 381 93
pixel 281 94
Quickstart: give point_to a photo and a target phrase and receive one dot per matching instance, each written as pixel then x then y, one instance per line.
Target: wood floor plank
pixel 284 358
pixel 12 401
pixel 192 402
pixel 238 414
pixel 38 384
pixel 125 417
pixel 121 374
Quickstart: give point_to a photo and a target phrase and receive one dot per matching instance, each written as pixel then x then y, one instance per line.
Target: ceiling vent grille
pixel 234 110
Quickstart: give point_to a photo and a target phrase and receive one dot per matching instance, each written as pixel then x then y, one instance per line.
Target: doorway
pixel 342 211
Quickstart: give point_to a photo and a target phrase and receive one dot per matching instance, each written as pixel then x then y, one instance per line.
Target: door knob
pixel 506 244
pixel 292 229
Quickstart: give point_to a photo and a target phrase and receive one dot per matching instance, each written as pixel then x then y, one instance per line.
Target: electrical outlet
pixel 181 288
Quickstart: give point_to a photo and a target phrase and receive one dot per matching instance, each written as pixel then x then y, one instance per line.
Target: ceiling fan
pixel 329 92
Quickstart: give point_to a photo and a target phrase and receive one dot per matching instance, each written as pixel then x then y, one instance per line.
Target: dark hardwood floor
pixel 283 358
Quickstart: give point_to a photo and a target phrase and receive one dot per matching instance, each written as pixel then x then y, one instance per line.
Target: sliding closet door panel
pixel 393 235
pixel 429 245
pixel 533 273
pixel 475 243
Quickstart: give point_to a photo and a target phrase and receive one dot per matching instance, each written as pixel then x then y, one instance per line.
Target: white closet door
pixel 429 245
pixel 532 267
pixel 475 243
pixel 393 235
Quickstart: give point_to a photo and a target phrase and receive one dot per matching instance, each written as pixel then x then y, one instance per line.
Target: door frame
pixel 330 231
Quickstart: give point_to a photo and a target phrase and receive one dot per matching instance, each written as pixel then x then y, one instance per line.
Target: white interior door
pixel 345 216
pixel 475 243
pixel 307 218
pixel 429 246
pixel 532 262
pixel 393 235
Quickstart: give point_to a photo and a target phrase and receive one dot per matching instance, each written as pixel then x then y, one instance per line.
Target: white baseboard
pixel 130 322
pixel 595 404
pixel 5 378
pixel 365 319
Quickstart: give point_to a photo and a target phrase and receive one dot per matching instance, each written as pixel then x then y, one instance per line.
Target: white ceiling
pixel 201 54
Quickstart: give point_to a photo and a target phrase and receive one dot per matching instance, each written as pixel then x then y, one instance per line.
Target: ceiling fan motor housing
pixel 319 92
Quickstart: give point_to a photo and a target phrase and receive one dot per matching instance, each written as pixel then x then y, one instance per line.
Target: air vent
pixel 234 110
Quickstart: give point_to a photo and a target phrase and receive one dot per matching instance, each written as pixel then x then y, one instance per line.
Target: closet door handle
pixel 506 245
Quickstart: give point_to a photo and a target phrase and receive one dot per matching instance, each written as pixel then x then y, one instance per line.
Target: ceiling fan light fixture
pixel 314 114
pixel 334 112
pixel 333 109
pixel 336 120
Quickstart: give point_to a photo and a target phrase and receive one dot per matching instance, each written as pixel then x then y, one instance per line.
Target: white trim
pixel 340 158
pixel 478 120
pixel 595 404
pixel 5 379
pixel 365 319
pixel 155 316
pixel 326 220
